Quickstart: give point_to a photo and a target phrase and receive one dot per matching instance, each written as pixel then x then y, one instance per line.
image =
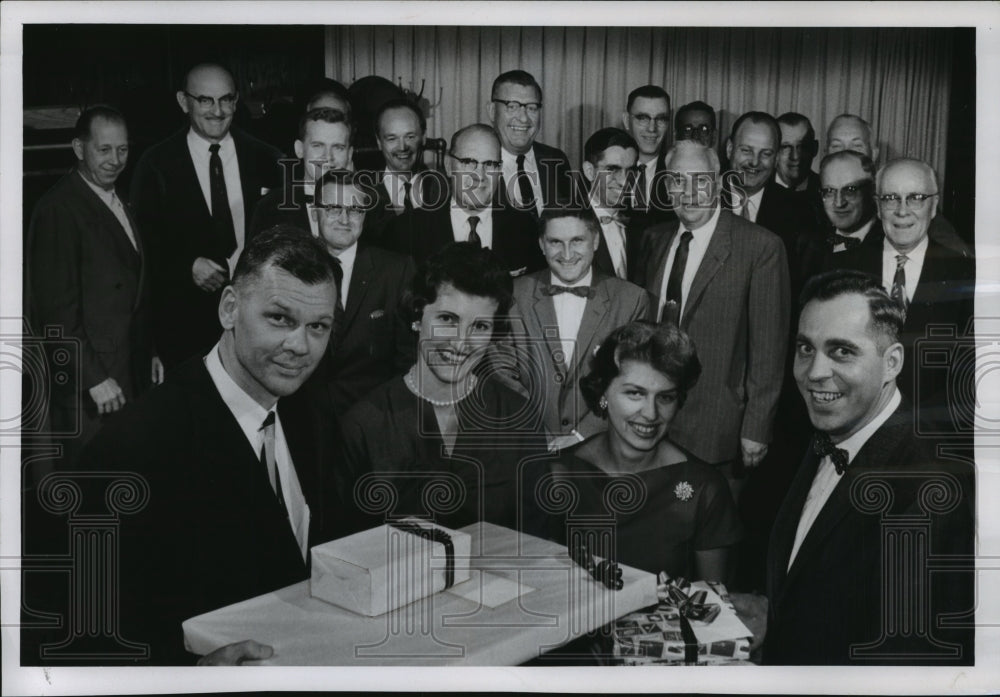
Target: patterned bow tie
pixel 579 291
pixel 848 242
pixel 823 446
pixel 616 218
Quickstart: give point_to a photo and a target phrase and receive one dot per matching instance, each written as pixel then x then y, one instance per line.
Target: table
pixel 542 600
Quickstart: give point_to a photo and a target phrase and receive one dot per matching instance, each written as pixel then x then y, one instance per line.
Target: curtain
pixel 897 79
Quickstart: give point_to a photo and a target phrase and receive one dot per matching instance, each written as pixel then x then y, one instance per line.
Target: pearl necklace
pixel 411 384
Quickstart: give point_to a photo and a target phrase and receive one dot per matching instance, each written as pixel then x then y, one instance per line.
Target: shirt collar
pixel 508 157
pixel 801 187
pixel 199 144
pixel 105 194
pixel 484 215
pixel 708 228
pixel 861 232
pixel 915 255
pixel 249 414
pixel 585 281
pixel 854 444
pixel 348 256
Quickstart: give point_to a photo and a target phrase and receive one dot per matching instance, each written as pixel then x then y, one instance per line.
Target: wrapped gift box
pixel 378 570
pixel 695 624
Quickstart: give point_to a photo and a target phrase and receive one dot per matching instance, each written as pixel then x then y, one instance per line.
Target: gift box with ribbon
pixel 381 569
pixel 693 623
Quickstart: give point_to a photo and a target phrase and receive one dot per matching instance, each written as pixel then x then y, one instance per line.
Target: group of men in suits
pixel 643 232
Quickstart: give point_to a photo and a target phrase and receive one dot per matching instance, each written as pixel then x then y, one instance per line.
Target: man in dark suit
pixel 324 143
pixel 933 283
pixel 372 341
pixel 535 176
pixel 193 195
pixel 849 566
pixel 88 277
pixel 724 281
pixel 647 119
pixel 399 131
pixel 473 168
pixel 235 464
pixel 561 315
pixel 797 149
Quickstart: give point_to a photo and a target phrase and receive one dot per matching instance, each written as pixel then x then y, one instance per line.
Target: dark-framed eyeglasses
pixel 512 107
pixel 227 102
pixel 472 165
pixel 892 201
pixel 851 192
pixel 332 210
pixel 661 121
pixel 689 130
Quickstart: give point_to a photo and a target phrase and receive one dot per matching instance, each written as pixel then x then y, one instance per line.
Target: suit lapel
pixel 545 315
pixel 718 251
pixel 247 182
pixel 594 313
pixel 658 251
pixel 786 524
pixel 360 276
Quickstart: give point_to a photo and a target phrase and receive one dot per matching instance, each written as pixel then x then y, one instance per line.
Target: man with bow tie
pixel 871 509
pixel 560 317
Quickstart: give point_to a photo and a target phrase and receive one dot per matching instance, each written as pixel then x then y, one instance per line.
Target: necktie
pixel 267 457
pixel 823 446
pixel 672 307
pixel 640 190
pixel 745 210
pixel 222 217
pixel 617 218
pixel 898 292
pixel 579 291
pixel 119 210
pixel 473 235
pixel 338 311
pixel 407 203
pixel 846 240
pixel 527 193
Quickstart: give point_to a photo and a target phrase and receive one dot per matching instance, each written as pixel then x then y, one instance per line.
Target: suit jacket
pixel 172 211
pixel 835 594
pixel 86 279
pixel 737 313
pixel 554 179
pixel 816 255
pixel 281 206
pixel 658 208
pixel 635 224
pixel 375 342
pixel 539 354
pixel 420 233
pixel 212 531
pixel 433 190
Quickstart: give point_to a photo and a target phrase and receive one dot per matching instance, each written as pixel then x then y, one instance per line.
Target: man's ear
pixel 589 171
pixel 299 148
pixel 228 307
pixel 892 362
pixel 625 120
pixel 78 149
pixel 182 101
pixel 491 108
pixel 729 149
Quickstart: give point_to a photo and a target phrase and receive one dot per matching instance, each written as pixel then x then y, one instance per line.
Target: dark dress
pixel 393 437
pixel 657 521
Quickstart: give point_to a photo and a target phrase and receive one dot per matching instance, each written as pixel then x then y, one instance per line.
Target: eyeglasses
pixel 332 210
pixel 226 101
pixel 512 107
pixel 892 201
pixel 851 192
pixel 472 165
pixel 689 130
pixel 644 119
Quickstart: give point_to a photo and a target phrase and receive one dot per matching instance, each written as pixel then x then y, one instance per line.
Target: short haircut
pixel 694 106
pixel 685 147
pixel 864 161
pixel 480 128
pixel 647 92
pixel 83 129
pixel 516 77
pixel 341 177
pixel 289 248
pixel 469 268
pixel 919 164
pixel 886 316
pixel 202 66
pixel 664 347
pixel 401 103
pixel 793 118
pixel 585 214
pixel 326 115
pixel 324 87
pixel 604 139
pixel 758 117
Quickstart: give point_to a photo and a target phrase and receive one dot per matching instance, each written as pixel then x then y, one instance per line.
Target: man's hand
pixel 108 396
pixel 753 452
pixel 157 371
pixel 208 275
pixel 236 654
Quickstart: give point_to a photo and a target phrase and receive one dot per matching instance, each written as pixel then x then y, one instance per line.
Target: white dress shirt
pixel 914 265
pixel 460 224
pixel 696 252
pixel 569 313
pixel 859 234
pixel 614 238
pixel 826 478
pixel 111 200
pixel 510 180
pixel 650 171
pixel 250 415
pixel 754 201
pixel 394 185
pixel 347 258
pixel 200 156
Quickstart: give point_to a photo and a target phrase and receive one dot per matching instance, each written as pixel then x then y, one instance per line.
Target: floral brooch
pixel 683 491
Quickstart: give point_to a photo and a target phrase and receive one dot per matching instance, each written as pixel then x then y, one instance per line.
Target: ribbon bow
pixel 616 218
pixel 692 606
pixel 823 446
pixel 607 572
pixel 579 291
pixel 848 242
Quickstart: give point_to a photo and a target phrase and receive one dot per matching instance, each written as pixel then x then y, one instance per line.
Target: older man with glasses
pixel 193 195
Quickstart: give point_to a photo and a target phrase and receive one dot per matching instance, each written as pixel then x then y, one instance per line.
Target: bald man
pixel 193 194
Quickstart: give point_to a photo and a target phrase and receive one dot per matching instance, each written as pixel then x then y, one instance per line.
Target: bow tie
pixel 579 291
pixel 848 242
pixel 616 218
pixel 823 446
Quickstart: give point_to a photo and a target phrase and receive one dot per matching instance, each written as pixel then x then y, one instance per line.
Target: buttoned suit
pixel 553 178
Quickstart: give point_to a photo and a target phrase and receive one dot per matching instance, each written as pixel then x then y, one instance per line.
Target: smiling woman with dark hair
pixel 671 512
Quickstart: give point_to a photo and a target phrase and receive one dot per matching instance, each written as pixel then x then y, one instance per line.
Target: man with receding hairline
pixel 193 194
